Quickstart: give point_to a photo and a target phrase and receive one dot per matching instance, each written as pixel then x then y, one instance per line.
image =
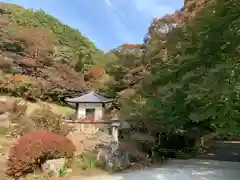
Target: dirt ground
pixel 5 144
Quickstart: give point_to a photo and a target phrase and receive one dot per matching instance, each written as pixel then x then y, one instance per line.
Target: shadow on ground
pixel 223 151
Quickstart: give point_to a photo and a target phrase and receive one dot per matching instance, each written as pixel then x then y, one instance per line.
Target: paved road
pixel 218 164
pixel 223 151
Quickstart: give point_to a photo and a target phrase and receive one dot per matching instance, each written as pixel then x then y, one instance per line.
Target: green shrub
pixel 63 172
pixel 3 131
pixel 88 160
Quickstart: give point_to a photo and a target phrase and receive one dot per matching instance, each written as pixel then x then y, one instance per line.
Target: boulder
pixel 53 166
pixel 113 158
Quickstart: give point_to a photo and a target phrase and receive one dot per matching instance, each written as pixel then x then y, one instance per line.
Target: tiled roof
pixel 91 97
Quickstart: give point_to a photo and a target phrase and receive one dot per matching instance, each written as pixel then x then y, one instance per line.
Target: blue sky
pixel 108 23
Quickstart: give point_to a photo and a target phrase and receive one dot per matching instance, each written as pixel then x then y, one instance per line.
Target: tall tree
pixel 197 83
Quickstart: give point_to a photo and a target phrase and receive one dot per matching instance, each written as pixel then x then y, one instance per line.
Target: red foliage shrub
pixel 96 70
pixel 18 78
pixel 131 46
pixel 94 73
pixel 38 40
pixel 34 148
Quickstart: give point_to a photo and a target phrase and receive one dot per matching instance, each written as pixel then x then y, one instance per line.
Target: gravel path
pixel 193 169
pixel 220 163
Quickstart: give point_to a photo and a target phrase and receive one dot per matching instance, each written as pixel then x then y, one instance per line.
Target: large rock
pixel 85 142
pixel 53 166
pixel 112 157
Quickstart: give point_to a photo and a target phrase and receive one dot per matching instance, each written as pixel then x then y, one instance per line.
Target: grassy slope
pixel 61 110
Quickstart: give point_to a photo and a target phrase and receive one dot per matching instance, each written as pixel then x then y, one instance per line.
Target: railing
pixel 94 122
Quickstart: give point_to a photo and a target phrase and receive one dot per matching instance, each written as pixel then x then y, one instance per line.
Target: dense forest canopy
pixel 194 70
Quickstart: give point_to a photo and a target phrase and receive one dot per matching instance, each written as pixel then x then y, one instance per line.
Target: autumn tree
pixel 197 84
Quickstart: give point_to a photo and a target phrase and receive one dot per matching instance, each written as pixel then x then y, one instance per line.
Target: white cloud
pixel 152 8
pixel 115 8
pixel 109 3
pixel 144 10
pixel 116 22
pixel 122 31
pixel 119 27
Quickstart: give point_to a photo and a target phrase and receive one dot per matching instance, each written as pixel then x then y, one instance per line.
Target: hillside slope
pixel 41 58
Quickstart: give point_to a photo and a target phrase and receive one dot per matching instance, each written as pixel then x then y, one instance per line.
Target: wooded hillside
pixel 42 58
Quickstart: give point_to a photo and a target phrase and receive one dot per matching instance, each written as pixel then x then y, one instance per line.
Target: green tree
pixel 198 85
